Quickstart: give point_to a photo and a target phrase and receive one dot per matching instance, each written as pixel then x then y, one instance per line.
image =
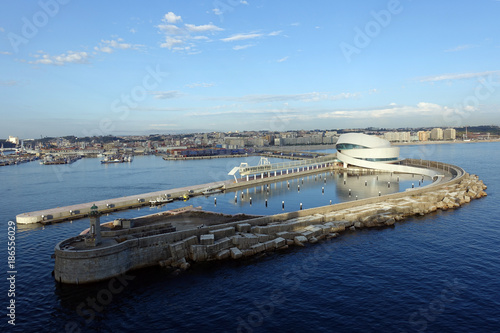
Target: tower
pixel 93 237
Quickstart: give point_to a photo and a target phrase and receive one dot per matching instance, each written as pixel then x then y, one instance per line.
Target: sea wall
pixel 246 238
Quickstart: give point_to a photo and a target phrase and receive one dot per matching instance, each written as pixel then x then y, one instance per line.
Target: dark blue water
pixel 438 273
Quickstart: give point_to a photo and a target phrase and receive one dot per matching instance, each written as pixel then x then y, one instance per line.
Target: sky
pixel 83 68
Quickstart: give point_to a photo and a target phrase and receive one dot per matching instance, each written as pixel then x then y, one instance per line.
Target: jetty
pixel 100 255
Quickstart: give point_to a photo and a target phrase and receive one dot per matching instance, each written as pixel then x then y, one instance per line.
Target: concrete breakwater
pixel 240 239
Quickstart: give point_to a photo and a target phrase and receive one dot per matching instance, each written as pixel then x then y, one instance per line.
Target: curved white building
pixel 372 152
pixel 367 148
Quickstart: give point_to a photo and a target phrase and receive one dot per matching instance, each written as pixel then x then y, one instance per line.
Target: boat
pixel 212 190
pixel 117 159
pixel 160 201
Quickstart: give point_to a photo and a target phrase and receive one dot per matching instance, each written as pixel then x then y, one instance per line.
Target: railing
pixel 287 165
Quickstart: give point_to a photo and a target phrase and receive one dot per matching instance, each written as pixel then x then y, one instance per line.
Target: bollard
pixel 283 205
pixel 298 188
pixel 356 197
pixel 379 193
pixel 215 201
pixel 266 202
pixel 357 176
pixel 250 201
pixel 366 183
pixel 344 181
pixel 398 179
pixel 412 185
pixel 242 194
pixel 323 190
pixel 302 180
pixel 235 198
pixel 377 177
pixel 301 206
pixel 388 184
pixel 349 192
pixel 330 202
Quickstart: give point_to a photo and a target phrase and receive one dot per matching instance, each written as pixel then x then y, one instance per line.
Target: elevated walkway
pixel 274 169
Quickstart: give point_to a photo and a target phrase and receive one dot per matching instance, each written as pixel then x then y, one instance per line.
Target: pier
pixel 261 175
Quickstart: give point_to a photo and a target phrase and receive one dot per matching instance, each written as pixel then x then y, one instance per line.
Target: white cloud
pixel 166 94
pixel 2 29
pixel 202 85
pixel 244 2
pixel 171 42
pixel 275 33
pixel 133 30
pixel 163 125
pixel 183 37
pixel 283 59
pixel 392 110
pixel 461 48
pixel 5 52
pixel 108 46
pixel 66 58
pixel 242 47
pixel 9 83
pixel 239 37
pixel 171 18
pixel 202 28
pixel 443 77
pixel 305 97
pixel 217 11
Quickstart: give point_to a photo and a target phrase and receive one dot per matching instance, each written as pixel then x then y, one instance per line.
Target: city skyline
pixel 84 69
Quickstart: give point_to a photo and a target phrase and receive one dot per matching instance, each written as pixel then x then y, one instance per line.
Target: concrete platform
pixel 109 205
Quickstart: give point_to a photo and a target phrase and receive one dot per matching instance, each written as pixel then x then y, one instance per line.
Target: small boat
pixel 209 191
pixel 160 201
pixel 212 190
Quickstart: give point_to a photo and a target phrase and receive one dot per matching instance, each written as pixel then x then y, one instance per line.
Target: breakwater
pixel 180 249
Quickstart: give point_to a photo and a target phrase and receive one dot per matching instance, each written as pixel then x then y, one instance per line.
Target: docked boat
pixel 160 201
pixel 213 190
pixel 117 159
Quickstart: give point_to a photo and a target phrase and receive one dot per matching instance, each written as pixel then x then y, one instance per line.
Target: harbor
pixel 106 251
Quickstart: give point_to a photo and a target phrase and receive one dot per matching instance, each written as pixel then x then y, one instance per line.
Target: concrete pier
pixel 110 205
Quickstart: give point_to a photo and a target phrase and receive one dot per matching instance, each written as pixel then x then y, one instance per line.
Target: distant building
pixel 449 134
pixel 436 134
pixel 423 135
pixel 397 136
pixel 13 139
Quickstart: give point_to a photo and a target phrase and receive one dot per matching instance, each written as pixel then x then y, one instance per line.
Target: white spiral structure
pixel 372 152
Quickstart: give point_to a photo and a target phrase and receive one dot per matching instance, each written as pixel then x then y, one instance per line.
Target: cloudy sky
pixel 82 68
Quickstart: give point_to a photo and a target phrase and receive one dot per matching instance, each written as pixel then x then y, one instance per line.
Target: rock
pixel 313 240
pixel 207 239
pixel 332 235
pixel 224 254
pixel 185 266
pixel 390 221
pixel 235 253
pixel 352 228
pixel 299 240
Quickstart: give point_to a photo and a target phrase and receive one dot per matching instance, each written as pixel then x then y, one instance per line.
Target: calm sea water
pixel 438 273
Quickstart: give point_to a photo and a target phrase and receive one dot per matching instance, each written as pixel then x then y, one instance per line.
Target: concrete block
pixel 224 232
pixel 207 239
pixel 235 253
pixel 244 241
pixel 270 245
pixel 259 247
pixel 224 254
pixel 283 234
pixel 263 237
pixel 198 252
pixel 248 252
pixel 300 240
pixel 243 227
pixel 279 242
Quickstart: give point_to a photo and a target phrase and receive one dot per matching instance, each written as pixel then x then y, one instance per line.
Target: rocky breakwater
pixel 250 238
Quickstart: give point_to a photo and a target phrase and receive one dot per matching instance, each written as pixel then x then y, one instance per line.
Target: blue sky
pixel 83 68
